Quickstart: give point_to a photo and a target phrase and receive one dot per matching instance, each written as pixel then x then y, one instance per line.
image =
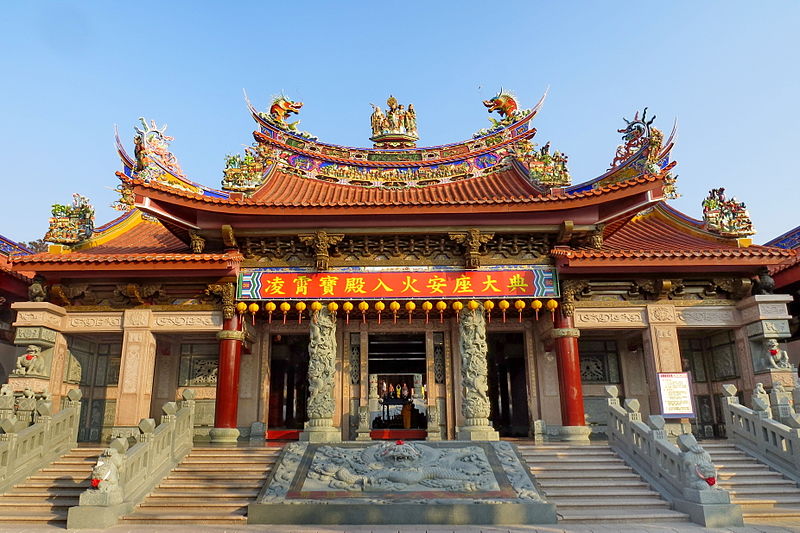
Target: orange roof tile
pixel 664 233
pixel 145 237
pixel 503 188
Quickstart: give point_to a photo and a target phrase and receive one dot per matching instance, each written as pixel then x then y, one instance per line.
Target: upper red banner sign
pixel 516 282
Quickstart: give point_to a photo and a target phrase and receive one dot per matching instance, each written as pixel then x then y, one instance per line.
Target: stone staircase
pixel 46 496
pixel 762 493
pixel 211 486
pixel 590 483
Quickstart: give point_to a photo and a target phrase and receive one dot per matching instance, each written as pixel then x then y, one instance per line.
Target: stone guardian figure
pixel 321 374
pixel 474 378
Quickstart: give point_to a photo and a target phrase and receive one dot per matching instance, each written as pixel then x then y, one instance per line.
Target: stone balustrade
pixel 682 473
pixel 25 446
pixel 124 475
pixel 770 431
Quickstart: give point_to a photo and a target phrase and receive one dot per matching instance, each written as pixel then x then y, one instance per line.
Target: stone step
pixel 170 483
pixel 591 515
pixel 47 483
pixel 581 483
pixel 35 505
pixel 218 467
pixel 225 493
pixel 198 502
pixel 640 501
pixel 27 518
pixel 204 474
pixel 583 491
pixel 771 513
pixel 68 468
pixel 179 518
pixel 569 466
pixel 587 479
pixel 584 459
pixel 760 500
pixel 47 491
pixel 750 473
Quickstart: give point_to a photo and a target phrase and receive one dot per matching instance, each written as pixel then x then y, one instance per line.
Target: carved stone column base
pixel 224 435
pixel 363 435
pixel 320 434
pixel 575 433
pixel 477 433
pixel 434 434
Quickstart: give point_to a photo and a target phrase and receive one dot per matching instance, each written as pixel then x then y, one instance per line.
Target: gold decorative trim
pixel 227 334
pixel 559 333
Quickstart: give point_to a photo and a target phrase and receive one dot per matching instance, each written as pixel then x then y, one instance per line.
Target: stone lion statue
pixel 697 468
pixel 776 357
pixel 105 474
pixel 31 362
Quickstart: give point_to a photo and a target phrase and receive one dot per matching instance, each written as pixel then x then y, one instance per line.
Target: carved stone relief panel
pixel 706 316
pixel 661 313
pixel 609 318
pixel 194 321
pixel 137 318
pixel 93 322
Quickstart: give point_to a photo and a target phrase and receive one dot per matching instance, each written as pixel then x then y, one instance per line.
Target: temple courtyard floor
pixel 775 526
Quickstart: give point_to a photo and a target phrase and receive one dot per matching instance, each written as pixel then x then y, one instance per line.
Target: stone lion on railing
pixel 697 468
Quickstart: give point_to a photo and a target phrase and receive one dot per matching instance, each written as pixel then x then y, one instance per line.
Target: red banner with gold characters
pixel 285 284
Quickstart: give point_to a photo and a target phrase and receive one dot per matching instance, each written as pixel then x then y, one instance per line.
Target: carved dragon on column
pixel 474 371
pixel 321 366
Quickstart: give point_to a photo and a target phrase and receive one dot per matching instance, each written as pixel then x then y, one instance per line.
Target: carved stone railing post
pixel 774 442
pixel 321 374
pixel 122 477
pixel 474 378
pixel 780 401
pixel 684 474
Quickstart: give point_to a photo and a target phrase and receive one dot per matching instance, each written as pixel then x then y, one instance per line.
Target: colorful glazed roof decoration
pixel 397 128
pixel 9 247
pixel 543 167
pixel 279 111
pixel 789 240
pixel 71 224
pixel 246 173
pixel 395 168
pixel 643 153
pixel 728 218
pixel 507 107
pixel 153 162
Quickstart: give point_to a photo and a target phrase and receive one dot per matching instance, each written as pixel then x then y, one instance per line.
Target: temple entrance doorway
pixel 508 384
pixel 399 363
pixel 288 386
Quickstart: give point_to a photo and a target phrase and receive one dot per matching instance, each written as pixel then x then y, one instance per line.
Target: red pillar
pixel 230 353
pixel 569 371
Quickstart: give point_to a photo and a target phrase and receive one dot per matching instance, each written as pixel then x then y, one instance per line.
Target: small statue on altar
pixel 405 390
pixel 383 387
pixel 776 357
pixel 423 392
pixel 398 390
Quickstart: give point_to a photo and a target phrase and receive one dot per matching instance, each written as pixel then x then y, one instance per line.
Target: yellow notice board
pixel 675 392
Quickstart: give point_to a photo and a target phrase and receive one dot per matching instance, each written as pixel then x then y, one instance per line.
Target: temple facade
pixel 467 291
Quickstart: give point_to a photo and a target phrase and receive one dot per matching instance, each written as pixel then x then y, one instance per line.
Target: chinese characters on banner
pixel 269 284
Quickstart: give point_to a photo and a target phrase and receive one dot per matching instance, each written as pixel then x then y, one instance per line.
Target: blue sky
pixel 727 71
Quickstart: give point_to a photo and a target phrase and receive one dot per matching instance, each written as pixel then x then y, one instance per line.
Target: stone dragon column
pixel 474 378
pixel 321 376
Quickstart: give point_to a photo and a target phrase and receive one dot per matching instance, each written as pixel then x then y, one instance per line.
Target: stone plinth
pixel 448 483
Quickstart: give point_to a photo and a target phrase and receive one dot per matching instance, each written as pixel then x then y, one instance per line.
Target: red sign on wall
pixel 287 285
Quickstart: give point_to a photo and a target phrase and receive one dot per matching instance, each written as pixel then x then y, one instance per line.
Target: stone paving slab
pixel 775 526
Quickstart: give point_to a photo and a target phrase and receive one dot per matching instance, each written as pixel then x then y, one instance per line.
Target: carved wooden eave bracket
pixel 570 290
pixel 228 237
pixel 65 295
pixel 472 240
pixel 136 294
pixel 198 243
pixel 320 243
pixel 660 288
pixel 226 292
